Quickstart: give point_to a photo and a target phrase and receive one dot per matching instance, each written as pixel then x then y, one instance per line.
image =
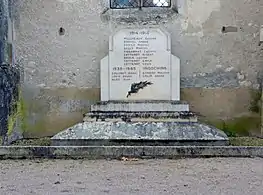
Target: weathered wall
pixel 61 77
pixel 10 105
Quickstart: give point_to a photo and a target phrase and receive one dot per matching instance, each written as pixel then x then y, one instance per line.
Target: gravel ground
pixel 184 176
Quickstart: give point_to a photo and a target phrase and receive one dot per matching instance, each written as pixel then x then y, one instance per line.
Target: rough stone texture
pixel 9 75
pixel 131 116
pixel 116 152
pixel 261 35
pixel 9 100
pixel 140 110
pixel 215 79
pixel 111 133
pixel 219 103
pixel 261 110
pixel 71 61
pixel 137 106
pixel 215 176
pixel 196 38
pixel 57 109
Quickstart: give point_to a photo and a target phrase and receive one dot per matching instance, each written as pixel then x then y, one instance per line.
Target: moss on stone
pixel 35 128
pixel 245 141
pixel 18 117
pixel 234 141
pixel 255 103
pixel 240 126
pixel 46 141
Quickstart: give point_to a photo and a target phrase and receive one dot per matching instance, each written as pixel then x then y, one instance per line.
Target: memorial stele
pixel 140 55
pixel 140 98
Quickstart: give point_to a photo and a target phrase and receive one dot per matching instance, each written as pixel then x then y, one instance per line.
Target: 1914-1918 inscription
pixel 140 55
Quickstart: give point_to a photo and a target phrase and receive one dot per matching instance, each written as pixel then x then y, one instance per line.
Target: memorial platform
pixel 140 98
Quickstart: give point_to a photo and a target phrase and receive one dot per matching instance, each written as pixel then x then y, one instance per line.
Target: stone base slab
pixel 140 133
pixel 140 106
pixel 141 142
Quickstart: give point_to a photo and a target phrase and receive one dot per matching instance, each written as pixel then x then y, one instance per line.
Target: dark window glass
pixel 156 3
pixel 122 4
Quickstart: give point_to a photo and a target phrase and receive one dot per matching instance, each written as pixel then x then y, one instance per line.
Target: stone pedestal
pixel 153 123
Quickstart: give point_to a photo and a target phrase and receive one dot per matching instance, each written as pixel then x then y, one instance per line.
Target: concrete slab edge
pixel 116 152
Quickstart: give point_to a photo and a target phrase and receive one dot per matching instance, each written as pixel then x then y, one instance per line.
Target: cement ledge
pixel 116 152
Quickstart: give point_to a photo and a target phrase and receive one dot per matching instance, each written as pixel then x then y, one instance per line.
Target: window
pixel 122 4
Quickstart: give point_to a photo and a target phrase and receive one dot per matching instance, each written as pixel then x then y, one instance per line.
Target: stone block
pixel 140 106
pixel 140 133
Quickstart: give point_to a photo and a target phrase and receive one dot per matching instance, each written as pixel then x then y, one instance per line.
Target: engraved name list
pixel 139 60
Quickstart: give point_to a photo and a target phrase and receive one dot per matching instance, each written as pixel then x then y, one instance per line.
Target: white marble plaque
pixel 140 67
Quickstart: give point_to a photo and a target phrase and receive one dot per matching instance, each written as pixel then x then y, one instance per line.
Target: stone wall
pixel 60 43
pixel 10 105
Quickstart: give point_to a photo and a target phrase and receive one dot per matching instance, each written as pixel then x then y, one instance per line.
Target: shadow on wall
pixel 9 76
pixel 9 102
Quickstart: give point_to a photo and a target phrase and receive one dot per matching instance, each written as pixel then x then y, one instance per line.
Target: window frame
pixel 140 5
